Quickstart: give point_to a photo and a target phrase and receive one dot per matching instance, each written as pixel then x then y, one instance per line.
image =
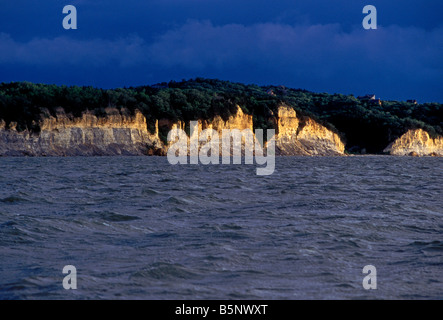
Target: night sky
pixel 319 45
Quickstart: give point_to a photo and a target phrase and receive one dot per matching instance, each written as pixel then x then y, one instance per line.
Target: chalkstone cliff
pixel 416 143
pixel 119 133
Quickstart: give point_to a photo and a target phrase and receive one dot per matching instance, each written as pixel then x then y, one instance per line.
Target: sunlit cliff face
pixel 416 142
pixel 311 138
pixel 118 133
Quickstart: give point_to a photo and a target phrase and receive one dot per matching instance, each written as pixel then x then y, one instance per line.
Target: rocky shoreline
pixel 118 133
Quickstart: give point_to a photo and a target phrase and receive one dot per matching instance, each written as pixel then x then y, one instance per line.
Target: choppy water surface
pixel 139 228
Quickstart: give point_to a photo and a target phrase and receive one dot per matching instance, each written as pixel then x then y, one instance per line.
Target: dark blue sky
pixel 319 45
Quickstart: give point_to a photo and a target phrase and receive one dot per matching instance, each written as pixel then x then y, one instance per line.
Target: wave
pixel 13 199
pixel 116 217
pixel 164 271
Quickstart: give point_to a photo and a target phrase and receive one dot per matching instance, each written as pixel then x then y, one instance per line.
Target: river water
pixel 140 228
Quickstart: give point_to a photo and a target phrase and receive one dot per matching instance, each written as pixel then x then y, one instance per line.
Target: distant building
pixel 412 101
pixel 366 97
pixel 282 90
pixel 374 102
pixel 270 92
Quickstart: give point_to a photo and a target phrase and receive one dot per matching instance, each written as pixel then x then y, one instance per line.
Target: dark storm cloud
pixel 319 45
pixel 65 51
